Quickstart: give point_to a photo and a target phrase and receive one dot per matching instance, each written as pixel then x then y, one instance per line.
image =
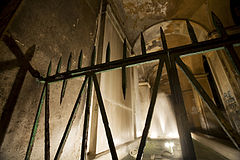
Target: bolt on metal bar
pixel 47 133
pixel 150 110
pixel 105 119
pixel 224 123
pixel 201 47
pixel 70 121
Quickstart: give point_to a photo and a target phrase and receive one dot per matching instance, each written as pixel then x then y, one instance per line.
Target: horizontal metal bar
pixel 201 47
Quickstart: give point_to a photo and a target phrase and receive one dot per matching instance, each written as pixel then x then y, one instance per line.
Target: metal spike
pixel 191 32
pixel 93 56
pixel 124 78
pixel 69 62
pixel 219 26
pixel 80 60
pixel 59 65
pixel 108 53
pixel 163 38
pixel 143 45
pixel 65 81
pixel 49 68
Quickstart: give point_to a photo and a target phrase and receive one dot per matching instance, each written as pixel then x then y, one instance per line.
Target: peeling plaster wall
pixel 57 28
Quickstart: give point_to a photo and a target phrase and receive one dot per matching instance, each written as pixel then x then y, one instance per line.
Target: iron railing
pixel 169 56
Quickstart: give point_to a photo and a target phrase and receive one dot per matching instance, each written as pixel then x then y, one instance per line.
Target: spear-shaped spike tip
pixel 65 81
pixel 191 32
pixel 59 65
pixel 49 68
pixel 108 53
pixel 143 45
pixel 163 38
pixel 218 24
pixel 69 62
pixel 93 56
pixel 80 60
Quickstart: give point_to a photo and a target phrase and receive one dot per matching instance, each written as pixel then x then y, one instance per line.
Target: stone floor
pixel 156 150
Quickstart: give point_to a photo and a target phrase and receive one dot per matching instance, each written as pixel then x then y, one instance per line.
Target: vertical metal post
pixel 47 134
pixel 180 111
pixel 87 110
pixel 178 105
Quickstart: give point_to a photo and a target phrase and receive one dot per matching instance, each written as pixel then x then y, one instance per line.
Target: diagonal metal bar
pixel 47 134
pixel 64 85
pixel 105 119
pixel 143 45
pixel 150 110
pixel 124 77
pixel 202 47
pixel 59 65
pixel 179 108
pixel 10 42
pixel 70 121
pixel 80 60
pixel 224 123
pixel 108 53
pixel 191 32
pixel 228 47
pixel 87 110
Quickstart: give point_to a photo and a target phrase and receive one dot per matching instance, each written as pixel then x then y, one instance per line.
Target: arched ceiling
pixel 138 15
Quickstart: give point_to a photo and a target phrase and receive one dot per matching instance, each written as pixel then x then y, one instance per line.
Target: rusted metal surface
pixel 223 122
pixel 105 119
pixel 70 121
